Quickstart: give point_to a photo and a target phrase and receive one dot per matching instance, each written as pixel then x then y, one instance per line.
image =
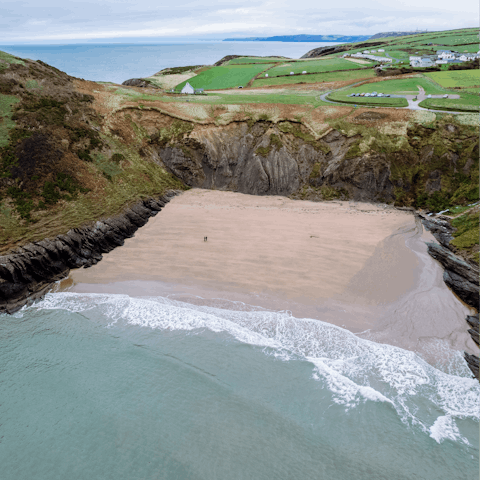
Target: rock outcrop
pixel 275 159
pixel 459 275
pixel 28 273
pixel 139 82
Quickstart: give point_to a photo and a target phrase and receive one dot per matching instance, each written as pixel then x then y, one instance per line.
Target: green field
pixel 456 78
pixel 315 66
pixel 467 48
pixel 374 101
pixel 402 86
pixel 226 76
pixel 401 47
pixel 467 102
pixel 316 78
pixel 243 60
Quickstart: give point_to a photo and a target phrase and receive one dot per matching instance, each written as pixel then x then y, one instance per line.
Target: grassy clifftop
pixel 73 151
pixel 58 167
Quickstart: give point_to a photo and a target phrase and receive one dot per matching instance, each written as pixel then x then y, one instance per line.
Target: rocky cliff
pixel 286 158
pixel 28 273
pixel 461 275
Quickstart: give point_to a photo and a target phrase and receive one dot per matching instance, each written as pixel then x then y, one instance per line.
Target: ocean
pixel 111 386
pixel 119 62
pixel 107 386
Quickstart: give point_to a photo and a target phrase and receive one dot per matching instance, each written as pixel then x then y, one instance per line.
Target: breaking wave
pixel 353 369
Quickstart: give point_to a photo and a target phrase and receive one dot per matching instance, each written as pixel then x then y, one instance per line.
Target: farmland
pixel 313 66
pixel 456 78
pixel 226 76
pixel 243 60
pixel 373 101
pixel 401 86
pixel 342 76
pixel 467 102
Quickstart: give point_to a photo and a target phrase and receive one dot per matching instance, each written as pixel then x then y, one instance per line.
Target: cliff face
pixel 276 159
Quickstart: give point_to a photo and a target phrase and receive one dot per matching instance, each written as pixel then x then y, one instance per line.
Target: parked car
pixel 362 94
pixel 240 86
pixel 445 96
pixel 387 95
pixel 429 96
pixel 380 95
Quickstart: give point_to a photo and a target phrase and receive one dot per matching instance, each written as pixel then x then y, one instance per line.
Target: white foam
pixel 445 428
pixel 355 370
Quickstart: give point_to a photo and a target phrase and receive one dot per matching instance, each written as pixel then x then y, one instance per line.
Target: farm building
pixel 423 62
pixel 381 50
pixel 188 89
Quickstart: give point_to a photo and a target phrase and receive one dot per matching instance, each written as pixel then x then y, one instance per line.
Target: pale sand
pixel 357 265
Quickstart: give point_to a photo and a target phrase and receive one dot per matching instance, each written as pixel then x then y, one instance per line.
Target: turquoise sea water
pixel 117 62
pixel 113 387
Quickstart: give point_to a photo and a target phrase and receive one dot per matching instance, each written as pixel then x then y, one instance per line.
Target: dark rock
pixel 474 335
pixel 453 263
pixel 138 82
pixel 465 290
pixel 472 362
pixel 440 229
pixel 29 273
pixel 472 320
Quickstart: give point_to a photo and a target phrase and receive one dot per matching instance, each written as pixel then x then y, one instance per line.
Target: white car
pixel 445 96
pixel 429 96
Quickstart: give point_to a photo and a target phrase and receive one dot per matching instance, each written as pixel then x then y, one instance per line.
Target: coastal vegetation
pixel 73 151
pixel 225 76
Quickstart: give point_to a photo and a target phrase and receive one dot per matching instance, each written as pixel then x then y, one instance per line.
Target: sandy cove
pixel 361 266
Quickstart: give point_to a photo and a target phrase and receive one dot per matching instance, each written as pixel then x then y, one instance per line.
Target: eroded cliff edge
pixel 28 272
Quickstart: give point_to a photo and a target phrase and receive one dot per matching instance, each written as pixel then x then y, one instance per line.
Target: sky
pixel 76 21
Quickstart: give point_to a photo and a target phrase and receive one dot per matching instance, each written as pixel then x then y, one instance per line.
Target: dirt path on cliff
pixel 357 265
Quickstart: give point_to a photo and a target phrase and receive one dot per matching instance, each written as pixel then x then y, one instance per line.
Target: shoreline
pixel 382 284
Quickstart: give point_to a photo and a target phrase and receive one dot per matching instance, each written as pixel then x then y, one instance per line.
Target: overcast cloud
pixel 69 21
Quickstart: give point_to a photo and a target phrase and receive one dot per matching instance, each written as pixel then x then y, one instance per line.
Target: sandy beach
pixel 360 266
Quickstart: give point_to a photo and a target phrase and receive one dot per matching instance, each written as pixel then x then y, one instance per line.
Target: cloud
pixel 30 20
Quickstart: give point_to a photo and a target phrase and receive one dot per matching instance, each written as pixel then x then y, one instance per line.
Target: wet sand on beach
pixel 360 266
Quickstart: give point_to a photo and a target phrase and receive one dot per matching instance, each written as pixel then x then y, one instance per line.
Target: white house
pixel 366 51
pixel 374 51
pixel 422 62
pixel 266 75
pixel 188 89
pixel 446 56
pixel 381 50
pixel 304 72
pixel 291 73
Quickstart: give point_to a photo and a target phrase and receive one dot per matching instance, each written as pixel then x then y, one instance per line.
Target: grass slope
pixel 243 60
pixel 226 76
pixel 467 102
pixel 313 66
pixel 346 75
pixel 456 78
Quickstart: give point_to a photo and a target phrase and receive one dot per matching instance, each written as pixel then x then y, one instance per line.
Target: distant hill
pixel 302 38
pixel 395 34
